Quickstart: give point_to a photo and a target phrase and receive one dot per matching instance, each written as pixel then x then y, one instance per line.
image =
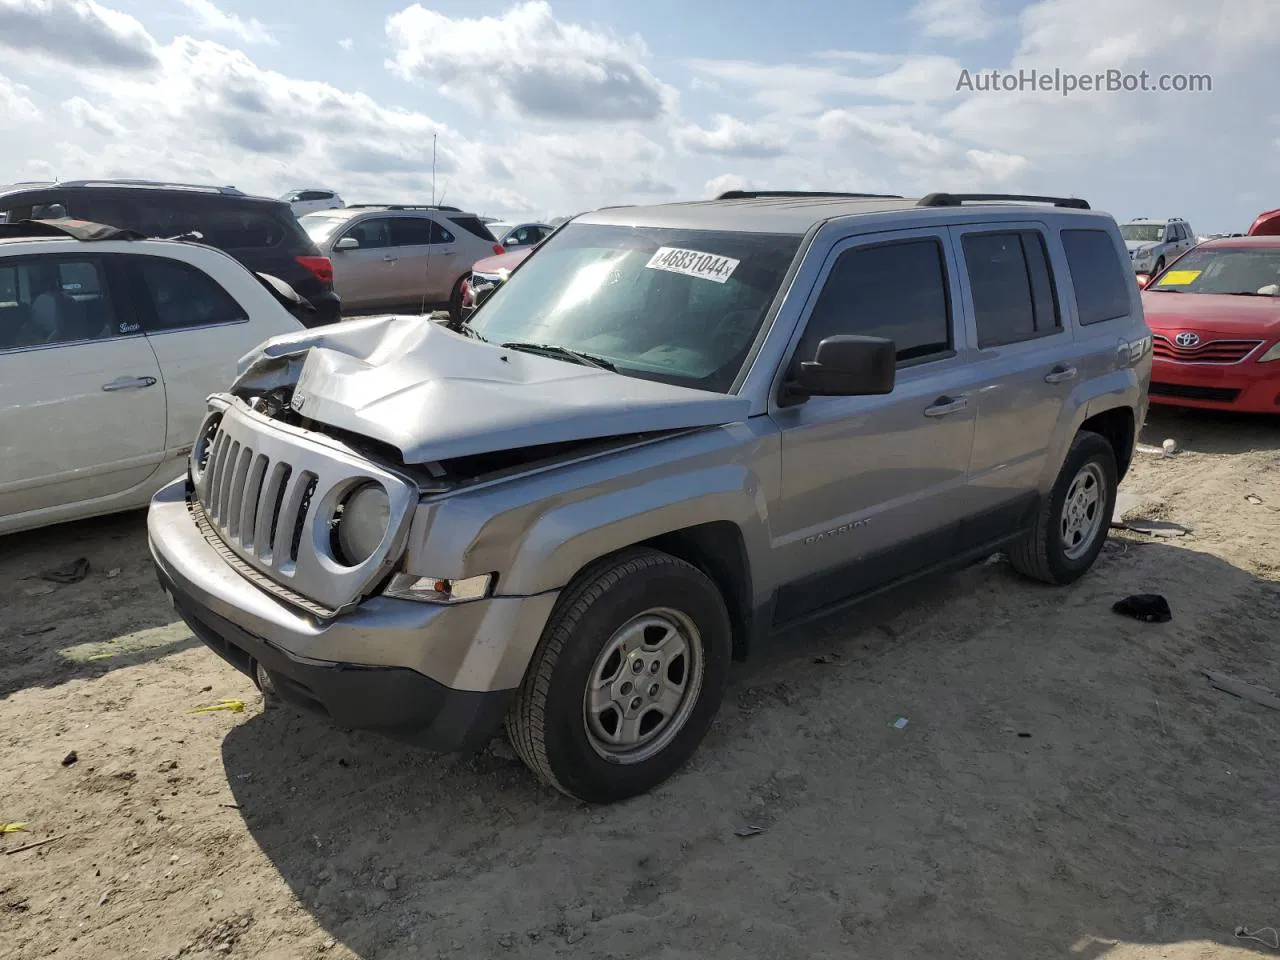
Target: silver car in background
pixel 401 257
pixel 519 234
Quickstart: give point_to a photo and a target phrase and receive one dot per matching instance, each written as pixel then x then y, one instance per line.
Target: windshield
pixel 1224 270
pixel 1143 232
pixel 321 226
pixel 680 306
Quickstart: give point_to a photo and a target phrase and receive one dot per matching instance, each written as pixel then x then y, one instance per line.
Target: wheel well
pixel 1117 426
pixel 717 549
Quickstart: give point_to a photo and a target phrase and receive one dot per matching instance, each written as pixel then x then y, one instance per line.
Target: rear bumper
pixel 439 676
pixel 328 310
pixel 1243 387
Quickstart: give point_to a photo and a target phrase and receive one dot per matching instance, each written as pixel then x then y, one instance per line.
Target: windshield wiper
pixel 1248 293
pixel 467 330
pixel 562 353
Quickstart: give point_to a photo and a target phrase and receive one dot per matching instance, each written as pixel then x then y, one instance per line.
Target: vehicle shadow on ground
pixel 1066 780
pixel 1211 431
pixel 115 617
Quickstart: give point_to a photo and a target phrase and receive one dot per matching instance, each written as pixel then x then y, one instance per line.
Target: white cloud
pixel 896 140
pixel 78 32
pixel 961 20
pixel 86 116
pixel 14 103
pixel 726 182
pixel 527 64
pixel 214 18
pixel 346 43
pixel 730 137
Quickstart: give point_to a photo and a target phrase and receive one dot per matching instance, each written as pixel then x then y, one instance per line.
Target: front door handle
pixel 390 259
pixel 129 383
pixel 1060 374
pixel 946 405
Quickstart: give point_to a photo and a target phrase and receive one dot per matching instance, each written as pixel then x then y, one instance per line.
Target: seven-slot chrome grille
pixel 270 494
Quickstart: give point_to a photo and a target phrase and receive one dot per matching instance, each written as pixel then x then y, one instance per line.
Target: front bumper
pixel 1246 387
pixel 439 676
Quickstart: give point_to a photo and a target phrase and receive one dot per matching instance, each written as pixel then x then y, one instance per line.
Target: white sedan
pixel 108 350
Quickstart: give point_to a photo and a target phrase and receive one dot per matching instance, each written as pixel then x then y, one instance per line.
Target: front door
pixel 1025 359
pixel 366 276
pixel 873 487
pixel 82 403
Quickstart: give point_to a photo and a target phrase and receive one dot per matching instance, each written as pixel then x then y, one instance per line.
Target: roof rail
pixel 957 199
pixel 153 185
pixel 402 206
pixel 764 194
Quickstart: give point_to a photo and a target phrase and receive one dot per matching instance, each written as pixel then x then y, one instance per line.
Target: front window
pixel 1143 232
pixel 1229 270
pixel 321 226
pixel 678 306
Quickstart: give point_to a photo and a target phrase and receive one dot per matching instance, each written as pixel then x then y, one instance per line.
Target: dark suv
pixel 262 234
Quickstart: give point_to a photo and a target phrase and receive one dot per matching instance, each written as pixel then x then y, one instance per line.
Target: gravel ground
pixel 1067 784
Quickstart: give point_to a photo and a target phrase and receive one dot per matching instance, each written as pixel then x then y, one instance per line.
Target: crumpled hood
pixel 435 395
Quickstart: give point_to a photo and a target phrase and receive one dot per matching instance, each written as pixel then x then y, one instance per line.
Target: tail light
pixel 499 248
pixel 321 267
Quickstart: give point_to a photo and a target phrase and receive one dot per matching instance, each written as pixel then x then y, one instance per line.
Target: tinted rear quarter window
pixel 474 226
pixel 223 223
pixel 1097 274
pixel 184 296
pixel 895 290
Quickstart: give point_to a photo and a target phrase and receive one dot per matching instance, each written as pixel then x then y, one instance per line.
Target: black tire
pixel 455 302
pixel 1043 554
pixel 547 722
pixel 1158 267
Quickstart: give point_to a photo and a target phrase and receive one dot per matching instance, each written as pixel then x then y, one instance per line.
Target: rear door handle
pixel 390 259
pixel 1060 374
pixel 129 383
pixel 946 405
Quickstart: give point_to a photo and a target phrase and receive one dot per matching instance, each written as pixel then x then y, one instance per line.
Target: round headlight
pixel 366 514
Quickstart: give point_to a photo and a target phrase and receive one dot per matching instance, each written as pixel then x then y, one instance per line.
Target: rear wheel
pixel 1072 524
pixel 626 680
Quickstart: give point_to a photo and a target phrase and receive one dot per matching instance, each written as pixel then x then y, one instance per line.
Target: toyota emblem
pixel 1187 339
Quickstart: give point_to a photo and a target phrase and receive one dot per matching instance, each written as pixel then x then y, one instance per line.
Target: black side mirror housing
pixel 847 366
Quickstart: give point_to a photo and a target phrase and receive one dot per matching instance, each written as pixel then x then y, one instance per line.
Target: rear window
pixel 1097 274
pixel 474 225
pixel 230 226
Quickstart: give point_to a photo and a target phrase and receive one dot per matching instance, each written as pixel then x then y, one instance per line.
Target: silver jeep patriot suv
pixel 672 431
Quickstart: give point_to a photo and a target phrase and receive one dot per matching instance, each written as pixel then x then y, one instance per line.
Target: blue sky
pixel 547 107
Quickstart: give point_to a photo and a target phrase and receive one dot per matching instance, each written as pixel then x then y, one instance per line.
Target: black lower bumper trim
pixel 396 701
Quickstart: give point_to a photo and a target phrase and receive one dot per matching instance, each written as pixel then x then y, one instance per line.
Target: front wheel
pixel 1158 267
pixel 455 302
pixel 626 679
pixel 1072 524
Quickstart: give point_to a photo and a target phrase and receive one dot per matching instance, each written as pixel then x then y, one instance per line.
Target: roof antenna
pixel 433 169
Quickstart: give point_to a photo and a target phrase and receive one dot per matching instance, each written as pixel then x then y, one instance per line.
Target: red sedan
pixel 488 274
pixel 1215 316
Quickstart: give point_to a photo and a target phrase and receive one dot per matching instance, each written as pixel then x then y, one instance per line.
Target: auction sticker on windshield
pixel 1178 278
pixel 693 263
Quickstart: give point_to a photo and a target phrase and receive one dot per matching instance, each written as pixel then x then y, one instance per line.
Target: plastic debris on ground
pixel 1147 607
pixel 232 706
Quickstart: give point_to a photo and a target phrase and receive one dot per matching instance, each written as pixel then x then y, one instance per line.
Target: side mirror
pixel 347 243
pixel 848 366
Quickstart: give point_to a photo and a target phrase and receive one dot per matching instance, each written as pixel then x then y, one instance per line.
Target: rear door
pixel 1025 360
pixel 411 244
pixel 447 263
pixel 197 330
pixel 873 487
pixel 82 406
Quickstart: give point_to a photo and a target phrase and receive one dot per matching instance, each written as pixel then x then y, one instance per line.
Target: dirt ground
pixel 1067 784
